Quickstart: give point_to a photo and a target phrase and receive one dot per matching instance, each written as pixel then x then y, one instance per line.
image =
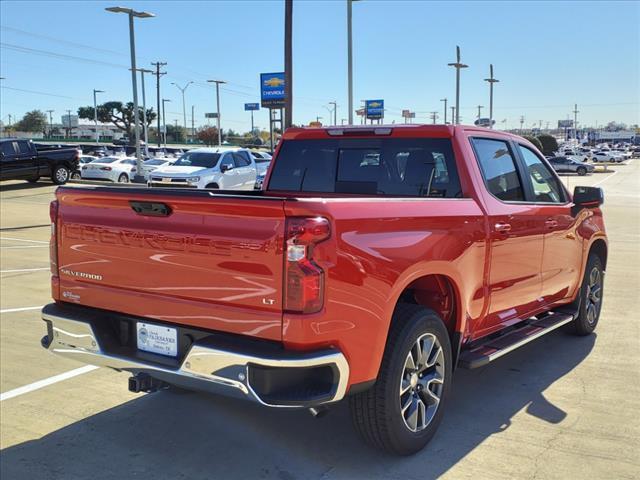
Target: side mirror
pixel 586 197
pixel 225 167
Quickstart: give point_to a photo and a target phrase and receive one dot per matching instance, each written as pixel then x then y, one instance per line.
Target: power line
pixel 40 93
pixel 48 53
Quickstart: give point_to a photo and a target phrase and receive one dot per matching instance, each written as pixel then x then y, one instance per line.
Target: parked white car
pixel 114 169
pixel 603 157
pixel 220 168
pixel 153 164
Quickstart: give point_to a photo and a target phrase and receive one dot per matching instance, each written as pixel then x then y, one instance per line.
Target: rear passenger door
pixel 516 237
pixel 246 170
pixel 562 254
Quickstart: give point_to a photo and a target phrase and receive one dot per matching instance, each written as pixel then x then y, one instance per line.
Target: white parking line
pixel 25 246
pixel 605 178
pixel 46 382
pixel 23 240
pixel 18 270
pixel 23 309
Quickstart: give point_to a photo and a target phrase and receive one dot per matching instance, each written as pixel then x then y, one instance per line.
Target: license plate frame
pixel 159 339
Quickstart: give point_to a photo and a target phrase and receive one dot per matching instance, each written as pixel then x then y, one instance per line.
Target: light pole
pixel 164 121
pixel 335 112
pixel 218 82
pixel 491 81
pixel 288 70
pixel 434 116
pixel 184 111
pixel 480 107
pixel 575 121
pixel 458 65
pixel 50 121
pixel 95 113
pixel 350 57
pixel 138 178
pixel 144 110
pixel 445 109
pixel 453 114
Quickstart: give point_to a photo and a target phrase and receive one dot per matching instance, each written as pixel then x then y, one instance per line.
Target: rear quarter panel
pixel 377 248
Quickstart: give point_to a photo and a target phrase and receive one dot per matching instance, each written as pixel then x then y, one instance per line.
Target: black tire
pixel 60 175
pixel 581 171
pixel 589 301
pixel 123 178
pixel 377 413
pixel 33 180
pixel 213 186
pixel 75 176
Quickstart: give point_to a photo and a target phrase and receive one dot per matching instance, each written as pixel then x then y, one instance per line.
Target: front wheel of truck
pixel 589 301
pixel 402 411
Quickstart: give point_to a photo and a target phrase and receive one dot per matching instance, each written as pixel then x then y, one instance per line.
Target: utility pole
pixel 458 65
pixel 184 111
pixel 350 59
pixel 521 123
pixel 318 118
pixel 480 107
pixel 193 128
pixel 158 73
pixel 445 109
pixel 575 120
pixel 145 125
pixel 491 81
pixel 50 121
pixel 164 121
pixel 434 115
pixel 95 113
pixel 453 114
pixel 218 82
pixel 288 66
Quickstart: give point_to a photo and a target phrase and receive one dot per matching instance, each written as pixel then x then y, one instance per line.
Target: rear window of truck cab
pixel 415 167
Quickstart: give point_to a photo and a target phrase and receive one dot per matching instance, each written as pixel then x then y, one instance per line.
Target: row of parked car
pixel 228 168
pixel 581 160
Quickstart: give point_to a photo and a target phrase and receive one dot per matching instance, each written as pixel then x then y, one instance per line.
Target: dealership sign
pixel 251 106
pixel 565 123
pixel 272 93
pixel 374 108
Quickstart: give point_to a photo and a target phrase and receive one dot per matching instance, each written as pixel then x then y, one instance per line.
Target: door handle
pixel 502 227
pixel 550 223
pixel 150 209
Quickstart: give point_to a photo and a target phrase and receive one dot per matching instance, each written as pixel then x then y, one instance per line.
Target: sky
pixel 548 56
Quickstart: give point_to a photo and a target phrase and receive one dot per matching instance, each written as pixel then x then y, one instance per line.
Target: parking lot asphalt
pixel 562 407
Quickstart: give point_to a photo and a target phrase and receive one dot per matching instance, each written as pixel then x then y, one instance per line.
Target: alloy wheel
pixel 422 382
pixel 594 295
pixel 62 175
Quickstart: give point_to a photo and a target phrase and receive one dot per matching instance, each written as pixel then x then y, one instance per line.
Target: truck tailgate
pixel 215 261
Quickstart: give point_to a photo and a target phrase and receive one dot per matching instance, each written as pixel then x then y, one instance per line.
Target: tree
pixel 34 121
pixel 208 135
pixel 549 144
pixel 118 113
pixel 535 141
pixel 175 134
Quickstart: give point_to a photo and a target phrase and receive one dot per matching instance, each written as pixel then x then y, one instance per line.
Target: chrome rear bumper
pixel 74 334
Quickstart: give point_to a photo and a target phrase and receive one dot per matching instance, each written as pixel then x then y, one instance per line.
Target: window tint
pixel 405 167
pixel 241 160
pixel 7 148
pixel 546 186
pixel 226 160
pixel 198 159
pixel 498 169
pixel 23 147
pixel 129 162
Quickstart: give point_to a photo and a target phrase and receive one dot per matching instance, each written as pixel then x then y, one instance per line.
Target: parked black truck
pixel 23 160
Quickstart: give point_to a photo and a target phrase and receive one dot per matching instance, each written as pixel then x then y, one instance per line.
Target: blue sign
pixel 272 90
pixel 251 106
pixel 374 108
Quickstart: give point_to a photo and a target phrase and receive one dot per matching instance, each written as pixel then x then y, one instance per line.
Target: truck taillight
pixel 304 279
pixel 53 242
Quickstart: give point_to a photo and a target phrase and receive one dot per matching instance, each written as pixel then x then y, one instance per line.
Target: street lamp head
pixel 129 11
pixel 98 91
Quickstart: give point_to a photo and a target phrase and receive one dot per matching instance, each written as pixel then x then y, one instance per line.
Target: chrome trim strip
pixel 76 339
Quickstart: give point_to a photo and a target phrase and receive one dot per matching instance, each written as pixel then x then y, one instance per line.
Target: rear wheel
pixel 589 299
pixel 402 411
pixel 60 175
pixel 123 178
pixel 75 176
pixel 213 186
pixel 582 171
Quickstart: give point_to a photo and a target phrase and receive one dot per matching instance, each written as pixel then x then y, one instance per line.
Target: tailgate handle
pixel 151 209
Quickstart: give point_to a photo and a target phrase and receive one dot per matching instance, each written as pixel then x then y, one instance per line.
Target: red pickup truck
pixel 375 261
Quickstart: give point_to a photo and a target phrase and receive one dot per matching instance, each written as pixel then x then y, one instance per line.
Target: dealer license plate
pixel 157 339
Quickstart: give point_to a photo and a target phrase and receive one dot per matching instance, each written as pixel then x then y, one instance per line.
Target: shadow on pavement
pixel 194 436
pixel 9 187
